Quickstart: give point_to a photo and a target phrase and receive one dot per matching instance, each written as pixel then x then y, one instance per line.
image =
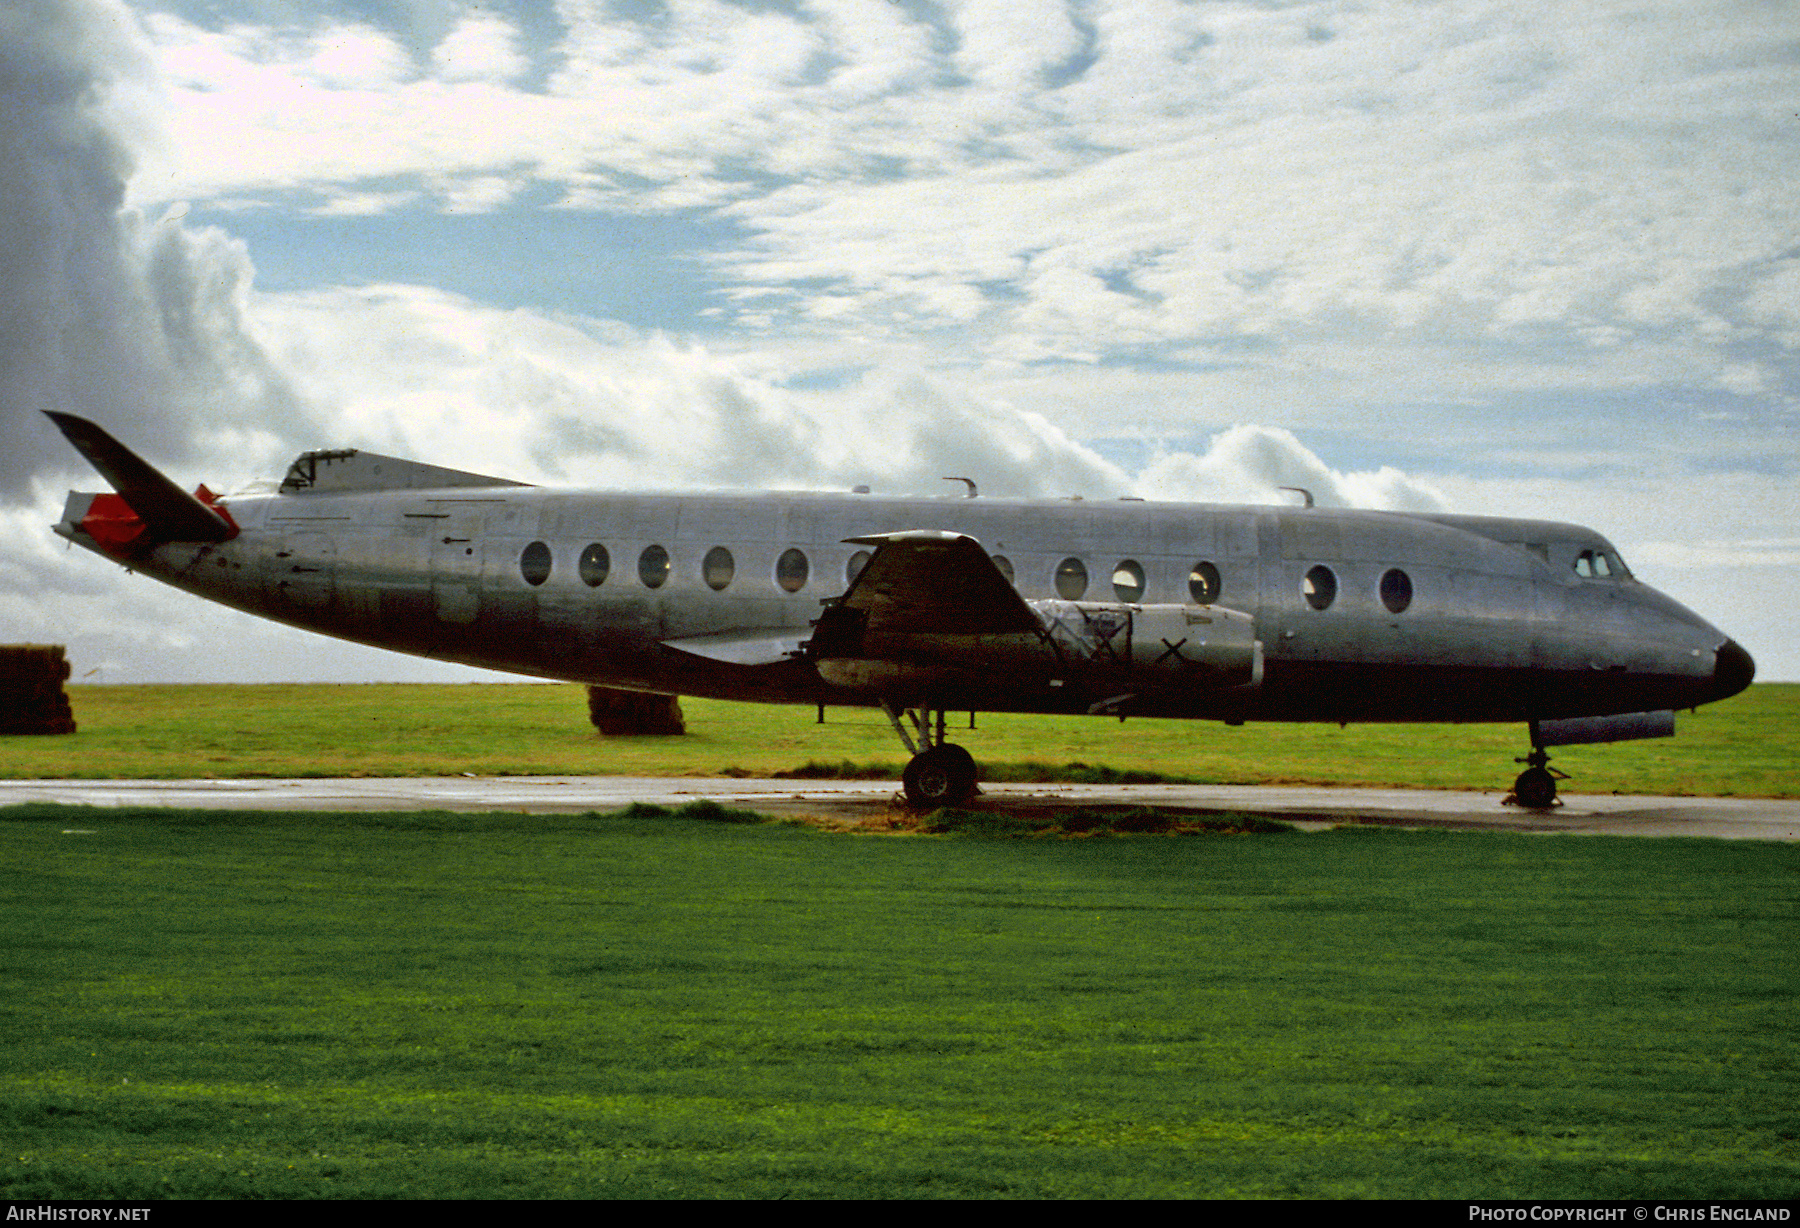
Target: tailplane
pixel 161 510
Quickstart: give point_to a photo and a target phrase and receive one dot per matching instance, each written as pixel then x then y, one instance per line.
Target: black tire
pixel 941 776
pixel 1535 789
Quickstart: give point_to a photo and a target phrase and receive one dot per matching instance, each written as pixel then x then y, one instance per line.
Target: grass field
pixel 1746 746
pixel 291 1005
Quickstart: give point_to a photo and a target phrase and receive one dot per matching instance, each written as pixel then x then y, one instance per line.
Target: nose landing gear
pixel 940 773
pixel 1535 788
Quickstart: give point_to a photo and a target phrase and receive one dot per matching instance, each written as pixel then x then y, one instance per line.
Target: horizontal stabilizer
pixel 169 513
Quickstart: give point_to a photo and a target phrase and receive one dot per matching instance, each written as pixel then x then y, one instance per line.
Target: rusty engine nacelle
pixel 1204 646
pixel 1108 645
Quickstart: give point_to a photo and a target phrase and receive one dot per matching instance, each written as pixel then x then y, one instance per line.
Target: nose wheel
pixel 1535 788
pixel 939 773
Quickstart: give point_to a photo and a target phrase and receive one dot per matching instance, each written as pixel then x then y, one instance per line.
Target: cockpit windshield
pixel 1593 564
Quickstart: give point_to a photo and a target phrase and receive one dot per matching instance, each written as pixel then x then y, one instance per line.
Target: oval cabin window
pixel 534 563
pixel 1204 584
pixel 791 570
pixel 1128 581
pixel 594 565
pixel 1396 590
pixel 653 566
pixel 1071 579
pixel 717 568
pixel 1319 587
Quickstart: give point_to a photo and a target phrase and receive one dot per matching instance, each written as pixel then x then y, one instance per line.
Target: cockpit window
pixel 1596 565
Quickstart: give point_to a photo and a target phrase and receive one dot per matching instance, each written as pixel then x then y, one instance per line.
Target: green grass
pixel 695 1005
pixel 1746 746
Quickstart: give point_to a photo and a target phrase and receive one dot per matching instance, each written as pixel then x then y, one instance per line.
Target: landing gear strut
pixel 1535 789
pixel 939 772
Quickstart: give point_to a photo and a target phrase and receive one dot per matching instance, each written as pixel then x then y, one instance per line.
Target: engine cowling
pixel 1158 645
pixel 1134 648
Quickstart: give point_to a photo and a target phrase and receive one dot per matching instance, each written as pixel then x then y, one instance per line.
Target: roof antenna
pixel 1301 491
pixel 973 493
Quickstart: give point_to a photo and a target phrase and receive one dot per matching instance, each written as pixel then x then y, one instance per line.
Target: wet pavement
pixel 853 801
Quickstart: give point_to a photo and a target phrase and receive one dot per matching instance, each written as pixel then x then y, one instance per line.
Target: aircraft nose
pixel 1733 671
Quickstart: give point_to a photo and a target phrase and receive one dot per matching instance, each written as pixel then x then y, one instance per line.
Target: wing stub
pixel 931 582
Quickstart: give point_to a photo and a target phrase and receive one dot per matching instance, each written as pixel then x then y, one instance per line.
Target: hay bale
pixel 617 713
pixel 33 663
pixel 32 699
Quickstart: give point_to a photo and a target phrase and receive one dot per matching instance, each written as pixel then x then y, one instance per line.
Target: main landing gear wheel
pixel 944 775
pixel 939 773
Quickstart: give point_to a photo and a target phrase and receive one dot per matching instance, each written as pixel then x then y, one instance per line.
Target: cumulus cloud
pixel 107 313
pixel 1135 174
pixel 563 400
pixel 560 399
pixel 64 292
pixel 352 57
pixel 1246 464
pixel 480 48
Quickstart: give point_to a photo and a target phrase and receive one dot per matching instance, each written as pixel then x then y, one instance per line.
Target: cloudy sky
pixel 1502 257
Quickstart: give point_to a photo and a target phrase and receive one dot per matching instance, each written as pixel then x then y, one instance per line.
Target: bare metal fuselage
pixel 1502 620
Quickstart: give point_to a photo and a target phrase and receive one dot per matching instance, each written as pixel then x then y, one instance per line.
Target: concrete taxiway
pixel 1725 818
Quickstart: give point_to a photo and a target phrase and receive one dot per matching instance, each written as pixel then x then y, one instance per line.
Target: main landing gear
pixel 1535 789
pixel 939 773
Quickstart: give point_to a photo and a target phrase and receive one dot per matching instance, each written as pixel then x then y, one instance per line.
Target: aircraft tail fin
pixel 168 513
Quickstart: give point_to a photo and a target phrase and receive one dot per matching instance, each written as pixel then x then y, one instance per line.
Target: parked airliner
pixel 922 606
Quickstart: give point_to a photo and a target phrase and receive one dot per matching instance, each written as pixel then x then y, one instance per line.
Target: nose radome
pixel 1733 671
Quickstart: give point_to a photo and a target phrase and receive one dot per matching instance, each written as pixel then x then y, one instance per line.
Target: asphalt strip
pixel 858 800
